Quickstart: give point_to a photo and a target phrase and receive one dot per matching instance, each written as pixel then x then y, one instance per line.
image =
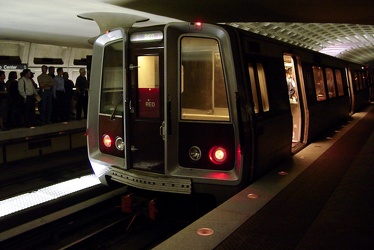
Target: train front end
pixel 163 109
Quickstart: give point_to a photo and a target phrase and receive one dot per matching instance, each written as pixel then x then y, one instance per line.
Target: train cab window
pixel 339 82
pixel 112 86
pixel 257 77
pixel 330 83
pixel 319 83
pixel 203 90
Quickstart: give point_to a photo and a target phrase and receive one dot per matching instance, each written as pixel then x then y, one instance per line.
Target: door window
pixel 148 87
pixel 259 87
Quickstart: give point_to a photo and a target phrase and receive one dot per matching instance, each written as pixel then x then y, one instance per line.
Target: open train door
pixel 295 84
pixel 145 107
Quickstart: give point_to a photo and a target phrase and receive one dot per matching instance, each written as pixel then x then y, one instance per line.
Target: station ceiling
pixel 341 28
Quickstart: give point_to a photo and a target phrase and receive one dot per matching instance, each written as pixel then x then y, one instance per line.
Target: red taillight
pixel 196 25
pixel 107 141
pixel 218 155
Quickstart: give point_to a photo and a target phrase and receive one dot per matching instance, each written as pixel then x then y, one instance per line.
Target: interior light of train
pixel 107 141
pixel 218 155
pixel 194 153
pixel 120 145
pixel 149 36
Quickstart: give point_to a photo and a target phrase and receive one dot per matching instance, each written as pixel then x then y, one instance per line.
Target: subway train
pixel 198 108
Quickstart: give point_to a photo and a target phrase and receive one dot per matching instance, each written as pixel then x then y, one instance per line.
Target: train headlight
pixel 107 141
pixel 194 153
pixel 218 155
pixel 120 145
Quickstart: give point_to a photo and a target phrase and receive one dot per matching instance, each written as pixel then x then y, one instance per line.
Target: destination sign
pixel 13 66
pixel 147 36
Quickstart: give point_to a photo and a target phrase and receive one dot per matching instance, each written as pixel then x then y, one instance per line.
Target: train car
pixel 360 83
pixel 201 108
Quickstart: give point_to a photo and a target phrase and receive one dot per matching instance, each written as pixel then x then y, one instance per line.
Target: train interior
pixel 295 97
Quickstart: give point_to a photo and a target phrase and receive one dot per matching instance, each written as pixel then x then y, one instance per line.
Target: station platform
pixel 322 199
pixel 21 143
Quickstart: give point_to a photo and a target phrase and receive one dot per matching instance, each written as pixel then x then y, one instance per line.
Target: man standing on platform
pixel 27 90
pixel 59 95
pixel 82 94
pixel 45 84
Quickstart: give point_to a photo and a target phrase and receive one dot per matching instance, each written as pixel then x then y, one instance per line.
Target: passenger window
pixel 319 83
pixel 112 86
pixel 356 85
pixel 203 89
pixel 362 80
pixel 262 92
pixel 339 82
pixel 330 83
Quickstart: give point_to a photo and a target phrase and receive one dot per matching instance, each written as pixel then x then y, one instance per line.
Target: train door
pixel 294 80
pixel 350 89
pixel 145 104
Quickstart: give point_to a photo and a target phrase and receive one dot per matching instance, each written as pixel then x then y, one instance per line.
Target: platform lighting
pixel 27 200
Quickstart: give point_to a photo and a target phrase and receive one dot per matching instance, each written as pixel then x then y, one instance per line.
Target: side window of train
pixel 203 89
pixel 258 87
pixel 339 82
pixel 319 83
pixel 356 85
pixel 362 80
pixel 330 83
pixel 112 85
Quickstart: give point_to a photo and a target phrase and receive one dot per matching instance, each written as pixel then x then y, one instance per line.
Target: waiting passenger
pixel 45 85
pixel 82 94
pixel 59 109
pixel 69 93
pixel 16 104
pixel 27 90
pixel 51 71
pixel 32 80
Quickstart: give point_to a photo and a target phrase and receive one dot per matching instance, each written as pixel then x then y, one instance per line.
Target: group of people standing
pixel 54 95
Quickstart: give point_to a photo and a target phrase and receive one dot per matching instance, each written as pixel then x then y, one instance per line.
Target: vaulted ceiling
pixel 342 28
